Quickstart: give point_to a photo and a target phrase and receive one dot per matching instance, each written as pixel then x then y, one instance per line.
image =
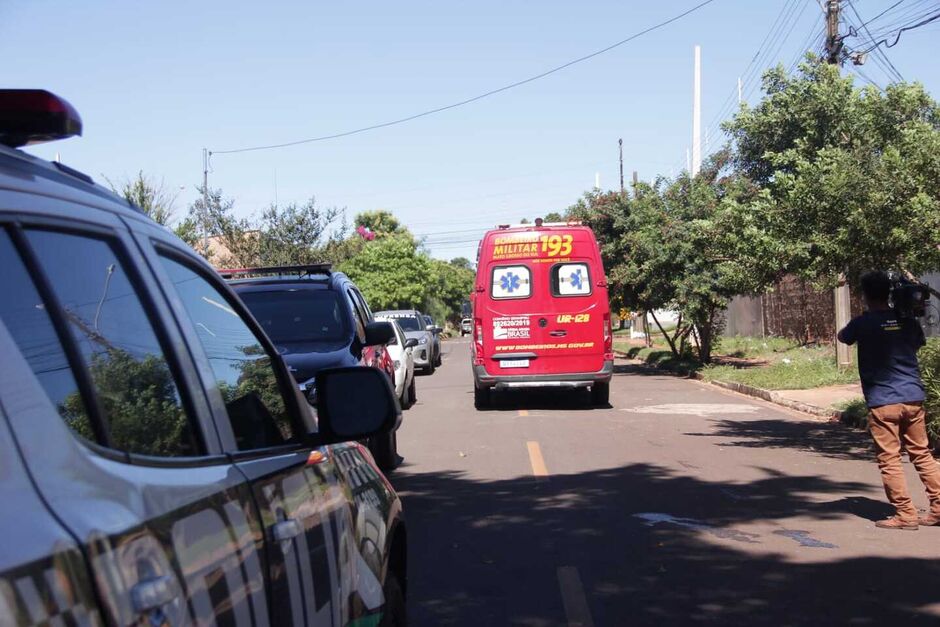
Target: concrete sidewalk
pixel 829 396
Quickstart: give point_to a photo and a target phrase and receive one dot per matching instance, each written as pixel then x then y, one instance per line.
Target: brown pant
pixel 890 427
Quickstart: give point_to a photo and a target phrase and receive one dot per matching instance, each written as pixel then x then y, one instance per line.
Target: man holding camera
pixel 894 393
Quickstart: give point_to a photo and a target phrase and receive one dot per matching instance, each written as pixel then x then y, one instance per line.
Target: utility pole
pixel 205 202
pixel 841 295
pixel 620 143
pixel 833 41
pixel 635 181
pixel 697 114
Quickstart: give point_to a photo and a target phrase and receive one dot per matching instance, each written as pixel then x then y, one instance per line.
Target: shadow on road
pixel 548 398
pixel 829 439
pixel 653 547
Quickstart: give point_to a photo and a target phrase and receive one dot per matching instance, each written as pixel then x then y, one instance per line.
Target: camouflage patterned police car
pixel 158 465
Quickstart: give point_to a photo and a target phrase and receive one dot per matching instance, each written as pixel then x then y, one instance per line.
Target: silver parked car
pixel 414 325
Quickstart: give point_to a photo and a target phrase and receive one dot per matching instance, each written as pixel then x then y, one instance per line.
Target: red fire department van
pixel 541 316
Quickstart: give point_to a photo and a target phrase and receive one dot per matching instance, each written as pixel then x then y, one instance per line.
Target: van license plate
pixel 514 363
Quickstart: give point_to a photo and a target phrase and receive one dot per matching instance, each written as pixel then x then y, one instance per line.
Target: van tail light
pixel 478 341
pixel 608 338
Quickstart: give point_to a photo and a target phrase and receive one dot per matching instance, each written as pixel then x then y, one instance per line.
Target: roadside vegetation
pixel 820 179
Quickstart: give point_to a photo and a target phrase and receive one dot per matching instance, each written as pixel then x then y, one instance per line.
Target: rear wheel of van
pixel 600 394
pixel 481 397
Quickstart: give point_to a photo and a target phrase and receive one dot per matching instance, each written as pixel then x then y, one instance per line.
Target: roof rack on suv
pixel 301 270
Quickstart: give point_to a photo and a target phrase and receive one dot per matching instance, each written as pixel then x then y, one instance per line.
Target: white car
pixel 400 350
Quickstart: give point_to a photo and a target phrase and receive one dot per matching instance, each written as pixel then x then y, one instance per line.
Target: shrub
pixel 929 357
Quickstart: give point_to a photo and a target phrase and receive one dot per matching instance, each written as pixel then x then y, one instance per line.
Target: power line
pixel 878 51
pixel 474 98
pixel 883 38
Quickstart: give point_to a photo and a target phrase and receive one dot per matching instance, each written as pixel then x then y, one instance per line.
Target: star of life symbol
pixel 577 281
pixel 509 282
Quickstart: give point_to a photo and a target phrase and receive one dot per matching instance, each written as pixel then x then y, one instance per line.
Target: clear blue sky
pixel 155 82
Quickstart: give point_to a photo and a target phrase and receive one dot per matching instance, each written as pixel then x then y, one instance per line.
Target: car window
pixel 135 389
pixel 571 279
pixel 25 317
pixel 409 323
pixel 511 282
pixel 356 315
pixel 243 370
pixel 294 316
pixel 364 306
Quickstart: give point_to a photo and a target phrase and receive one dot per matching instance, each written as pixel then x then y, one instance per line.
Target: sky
pixel 156 82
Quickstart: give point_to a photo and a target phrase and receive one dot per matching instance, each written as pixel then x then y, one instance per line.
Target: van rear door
pixel 556 329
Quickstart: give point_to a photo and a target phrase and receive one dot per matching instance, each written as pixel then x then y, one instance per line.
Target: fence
pixel 795 310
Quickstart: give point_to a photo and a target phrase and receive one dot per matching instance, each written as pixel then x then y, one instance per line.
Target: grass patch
pixel 854 412
pixel 755 347
pixel 808 368
pixel 768 363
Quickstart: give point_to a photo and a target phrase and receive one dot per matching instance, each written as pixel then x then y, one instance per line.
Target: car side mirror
pixel 353 404
pixel 379 333
pixel 411 342
pixel 433 329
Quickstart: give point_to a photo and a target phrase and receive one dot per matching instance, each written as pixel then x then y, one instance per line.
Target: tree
pixel 553 216
pixel 380 222
pixel 293 234
pixel 462 262
pixel 668 247
pixel 391 273
pixel 849 176
pixel 449 287
pixel 151 197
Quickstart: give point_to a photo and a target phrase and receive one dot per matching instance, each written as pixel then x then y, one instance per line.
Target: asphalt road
pixel 680 504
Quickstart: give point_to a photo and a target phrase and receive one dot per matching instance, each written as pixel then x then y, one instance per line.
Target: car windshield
pixel 409 323
pixel 299 315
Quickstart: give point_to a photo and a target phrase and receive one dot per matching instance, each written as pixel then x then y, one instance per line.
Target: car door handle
pixel 152 594
pixel 559 333
pixel 286 530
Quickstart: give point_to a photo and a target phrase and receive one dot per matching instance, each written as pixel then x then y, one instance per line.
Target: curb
pixel 832 415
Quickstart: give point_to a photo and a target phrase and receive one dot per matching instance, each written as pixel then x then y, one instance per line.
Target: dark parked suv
pixel 319 319
pixel 158 465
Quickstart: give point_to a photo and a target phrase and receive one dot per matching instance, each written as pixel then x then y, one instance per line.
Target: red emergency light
pixel 33 116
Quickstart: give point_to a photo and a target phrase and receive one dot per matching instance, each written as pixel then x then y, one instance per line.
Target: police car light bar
pixel 33 116
pixel 302 269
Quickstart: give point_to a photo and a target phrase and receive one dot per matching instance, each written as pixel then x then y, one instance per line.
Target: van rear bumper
pixel 483 379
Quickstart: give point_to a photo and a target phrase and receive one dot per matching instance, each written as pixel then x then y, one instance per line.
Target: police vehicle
pixel 158 466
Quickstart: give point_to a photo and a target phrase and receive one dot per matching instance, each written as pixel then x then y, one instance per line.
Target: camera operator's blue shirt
pixel 887 357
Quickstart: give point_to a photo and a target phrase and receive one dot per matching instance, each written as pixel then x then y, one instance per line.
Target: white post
pixel 697 114
pixel 597 181
pixel 740 90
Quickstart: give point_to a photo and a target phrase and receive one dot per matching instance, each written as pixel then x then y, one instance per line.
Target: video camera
pixel 908 298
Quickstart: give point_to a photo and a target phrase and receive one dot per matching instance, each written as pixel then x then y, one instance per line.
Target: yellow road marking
pixel 572 596
pixel 535 458
pixel 523 412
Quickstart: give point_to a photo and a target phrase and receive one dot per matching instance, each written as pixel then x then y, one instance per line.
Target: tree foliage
pixel 151 197
pixel 380 222
pixel 292 234
pixel 673 245
pixel 849 176
pixel 391 272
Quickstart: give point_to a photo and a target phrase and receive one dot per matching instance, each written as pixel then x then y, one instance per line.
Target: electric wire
pixel 474 98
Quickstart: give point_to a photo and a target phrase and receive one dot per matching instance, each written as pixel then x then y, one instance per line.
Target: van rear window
pixel 511 282
pixel 571 279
